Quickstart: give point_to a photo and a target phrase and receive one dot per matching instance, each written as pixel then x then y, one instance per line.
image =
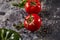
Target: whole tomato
pixel 32 22
pixel 32 7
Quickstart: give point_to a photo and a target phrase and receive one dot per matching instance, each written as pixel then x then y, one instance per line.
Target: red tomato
pixel 33 0
pixel 32 7
pixel 32 22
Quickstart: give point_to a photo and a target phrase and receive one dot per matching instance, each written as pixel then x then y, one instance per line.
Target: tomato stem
pixel 30 19
pixel 33 3
pixel 18 26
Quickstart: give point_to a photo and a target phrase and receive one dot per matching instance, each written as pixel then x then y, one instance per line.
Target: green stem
pixel 6 35
pixel 21 4
pixel 2 34
pixel 15 4
pixel 33 3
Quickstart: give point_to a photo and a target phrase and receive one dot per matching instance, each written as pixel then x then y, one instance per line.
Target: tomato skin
pixel 34 25
pixel 32 8
pixel 33 0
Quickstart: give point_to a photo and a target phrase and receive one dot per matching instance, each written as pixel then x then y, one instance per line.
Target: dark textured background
pixel 50 19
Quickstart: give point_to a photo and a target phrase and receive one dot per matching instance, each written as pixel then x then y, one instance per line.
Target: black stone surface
pixel 50 19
